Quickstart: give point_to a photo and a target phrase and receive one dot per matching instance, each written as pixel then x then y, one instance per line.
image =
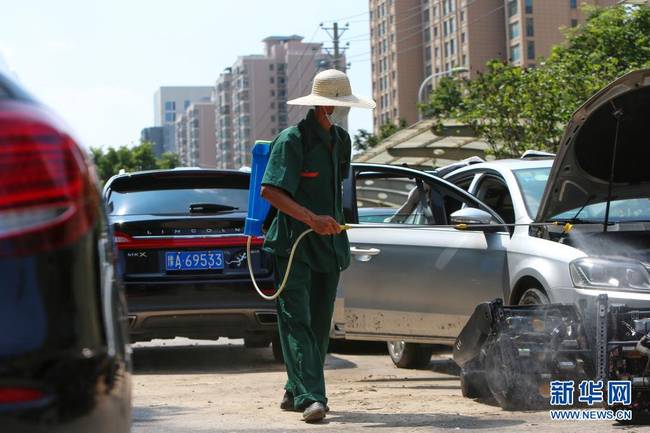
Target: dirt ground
pixel 205 386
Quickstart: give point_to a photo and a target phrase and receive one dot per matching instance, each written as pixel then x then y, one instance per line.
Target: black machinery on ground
pixel 512 353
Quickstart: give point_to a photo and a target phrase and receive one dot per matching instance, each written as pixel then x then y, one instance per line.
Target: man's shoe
pixel 287 401
pixel 314 412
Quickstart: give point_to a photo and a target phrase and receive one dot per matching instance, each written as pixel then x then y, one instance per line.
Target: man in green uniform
pixel 303 180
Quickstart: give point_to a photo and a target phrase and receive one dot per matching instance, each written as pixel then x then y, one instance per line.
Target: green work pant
pixel 304 316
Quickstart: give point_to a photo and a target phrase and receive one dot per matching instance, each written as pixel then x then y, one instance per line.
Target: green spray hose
pixel 567 228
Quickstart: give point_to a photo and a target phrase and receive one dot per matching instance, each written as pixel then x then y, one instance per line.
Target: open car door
pixel 411 279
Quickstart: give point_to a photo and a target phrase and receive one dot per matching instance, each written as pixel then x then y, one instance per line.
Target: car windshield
pixel 174 201
pixel 635 209
pixel 532 182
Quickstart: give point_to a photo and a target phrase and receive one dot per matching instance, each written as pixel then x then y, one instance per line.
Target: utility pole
pixel 335 40
pixel 336 43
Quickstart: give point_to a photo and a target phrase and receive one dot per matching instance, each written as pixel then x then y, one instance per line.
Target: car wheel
pixel 508 379
pixel 473 383
pixel 255 343
pixel 276 346
pixel 409 355
pixel 534 296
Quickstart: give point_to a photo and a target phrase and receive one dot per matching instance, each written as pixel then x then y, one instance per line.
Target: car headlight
pixel 594 273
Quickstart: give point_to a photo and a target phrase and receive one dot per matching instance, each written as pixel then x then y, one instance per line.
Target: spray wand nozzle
pixel 566 228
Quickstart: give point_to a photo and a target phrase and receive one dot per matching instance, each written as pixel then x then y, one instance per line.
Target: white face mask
pixel 338 116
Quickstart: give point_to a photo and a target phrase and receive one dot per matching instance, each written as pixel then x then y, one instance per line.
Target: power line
pixel 418 27
pixel 366 36
pixel 335 35
pixel 306 86
pixel 414 33
pixel 336 38
pixel 356 21
pixel 402 19
pixel 351 16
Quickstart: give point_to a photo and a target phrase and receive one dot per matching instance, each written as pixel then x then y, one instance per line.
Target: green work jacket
pixel 310 163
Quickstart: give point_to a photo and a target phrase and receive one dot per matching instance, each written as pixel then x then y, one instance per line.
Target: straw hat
pixel 332 87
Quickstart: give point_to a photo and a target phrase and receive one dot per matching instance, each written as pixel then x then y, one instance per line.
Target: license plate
pixel 193 260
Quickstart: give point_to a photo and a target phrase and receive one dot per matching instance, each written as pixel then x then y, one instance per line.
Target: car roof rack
pixel 537 154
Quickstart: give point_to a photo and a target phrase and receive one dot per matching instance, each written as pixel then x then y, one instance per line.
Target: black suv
pixel 64 359
pixel 183 256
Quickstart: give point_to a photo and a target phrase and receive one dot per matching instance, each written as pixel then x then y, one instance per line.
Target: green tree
pixel 168 160
pixel 365 140
pixel 136 158
pixel 143 157
pixel 494 107
pixel 516 109
pixel 447 97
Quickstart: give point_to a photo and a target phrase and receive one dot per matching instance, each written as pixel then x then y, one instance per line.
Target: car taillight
pixel 47 197
pixel 11 395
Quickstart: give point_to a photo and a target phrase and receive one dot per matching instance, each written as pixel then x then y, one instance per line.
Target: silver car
pixel 581 228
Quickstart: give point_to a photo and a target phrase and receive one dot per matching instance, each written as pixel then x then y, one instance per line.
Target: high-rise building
pixel 169 102
pixel 222 100
pixel 396 58
pixel 195 135
pixel 201 135
pixel 153 135
pixel 416 42
pixel 534 26
pixel 181 138
pixel 251 96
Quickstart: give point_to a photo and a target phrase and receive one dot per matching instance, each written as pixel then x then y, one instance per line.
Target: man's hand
pixel 321 224
pixel 325 225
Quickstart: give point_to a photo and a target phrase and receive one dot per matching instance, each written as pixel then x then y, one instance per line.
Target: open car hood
pixel 581 172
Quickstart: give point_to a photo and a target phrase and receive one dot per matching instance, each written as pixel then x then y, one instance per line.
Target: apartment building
pixel 396 59
pixel 170 102
pixel 250 97
pixel 222 100
pixel 416 42
pixel 195 136
pixel 181 138
pixel 534 26
pixel 201 146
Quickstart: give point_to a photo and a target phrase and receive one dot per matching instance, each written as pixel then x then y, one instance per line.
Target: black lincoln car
pixel 182 255
pixel 64 358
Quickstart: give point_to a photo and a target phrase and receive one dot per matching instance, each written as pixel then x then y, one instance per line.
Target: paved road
pixel 190 386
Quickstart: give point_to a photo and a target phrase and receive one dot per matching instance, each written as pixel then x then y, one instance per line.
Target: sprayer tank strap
pixel 298 151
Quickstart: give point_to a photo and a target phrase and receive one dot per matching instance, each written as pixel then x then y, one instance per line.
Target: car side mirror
pixel 472 216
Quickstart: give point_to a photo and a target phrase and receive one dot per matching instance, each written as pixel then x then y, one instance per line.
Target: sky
pixel 98 63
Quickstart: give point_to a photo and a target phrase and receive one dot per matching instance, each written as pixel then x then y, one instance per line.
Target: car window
pixel 174 192
pixel 493 192
pixel 532 182
pixel 463 182
pixel 636 209
pixel 392 199
pixel 407 199
pixel 174 201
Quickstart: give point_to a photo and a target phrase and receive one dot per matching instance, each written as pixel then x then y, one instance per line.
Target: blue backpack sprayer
pixel 258 209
